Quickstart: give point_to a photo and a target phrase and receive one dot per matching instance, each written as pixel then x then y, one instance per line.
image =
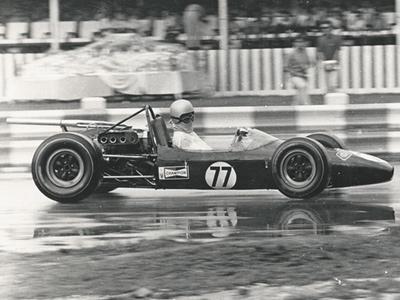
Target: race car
pixel 70 166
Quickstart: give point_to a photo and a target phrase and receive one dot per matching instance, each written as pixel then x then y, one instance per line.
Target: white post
pixel 223 24
pixel 54 25
pixel 397 26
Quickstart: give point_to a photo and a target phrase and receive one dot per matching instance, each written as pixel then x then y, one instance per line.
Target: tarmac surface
pixel 198 245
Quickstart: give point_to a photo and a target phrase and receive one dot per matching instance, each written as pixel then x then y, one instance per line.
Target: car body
pixel 70 166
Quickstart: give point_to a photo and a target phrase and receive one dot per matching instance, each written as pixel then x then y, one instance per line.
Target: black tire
pixel 104 189
pixel 328 140
pixel 92 134
pixel 301 168
pixel 66 167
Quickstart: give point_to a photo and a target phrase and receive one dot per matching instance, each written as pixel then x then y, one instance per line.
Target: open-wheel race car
pixel 69 166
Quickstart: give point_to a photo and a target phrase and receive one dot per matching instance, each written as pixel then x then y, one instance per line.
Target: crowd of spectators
pixel 300 20
pixel 141 16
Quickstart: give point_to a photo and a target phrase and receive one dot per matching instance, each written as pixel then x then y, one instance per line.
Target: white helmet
pixel 179 108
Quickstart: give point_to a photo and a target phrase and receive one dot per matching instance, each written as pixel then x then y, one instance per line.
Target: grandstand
pixel 25 26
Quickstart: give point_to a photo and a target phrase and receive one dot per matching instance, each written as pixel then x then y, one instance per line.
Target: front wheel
pixel 328 140
pixel 66 167
pixel 301 168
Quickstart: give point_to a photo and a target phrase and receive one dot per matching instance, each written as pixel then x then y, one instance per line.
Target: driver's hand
pixel 242 132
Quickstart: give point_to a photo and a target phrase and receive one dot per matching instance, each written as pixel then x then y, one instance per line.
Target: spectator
pixel 150 15
pixel 297 65
pixel 172 24
pixel 2 31
pixel 265 20
pixel 212 28
pixel 104 22
pixel 133 22
pixel 239 21
pixel 193 17
pixel 320 14
pixel 301 20
pixel 358 23
pixel 335 19
pixel 328 46
pixel 281 22
pixel 171 19
pixel 119 22
pixel 378 22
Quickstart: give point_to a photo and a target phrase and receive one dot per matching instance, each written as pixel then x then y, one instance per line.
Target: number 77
pixel 218 172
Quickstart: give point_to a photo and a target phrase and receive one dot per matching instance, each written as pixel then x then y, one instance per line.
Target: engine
pixel 126 158
pixel 119 138
pixel 124 142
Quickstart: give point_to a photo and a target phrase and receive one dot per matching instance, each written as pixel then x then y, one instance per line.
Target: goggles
pixel 185 118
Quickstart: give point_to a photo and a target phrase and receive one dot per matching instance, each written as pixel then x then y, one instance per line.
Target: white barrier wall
pixel 366 69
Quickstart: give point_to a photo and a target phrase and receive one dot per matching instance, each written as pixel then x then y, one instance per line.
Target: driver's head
pixel 181 111
pixel 182 115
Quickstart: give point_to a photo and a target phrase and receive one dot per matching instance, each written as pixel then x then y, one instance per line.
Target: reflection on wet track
pixel 128 221
pixel 127 216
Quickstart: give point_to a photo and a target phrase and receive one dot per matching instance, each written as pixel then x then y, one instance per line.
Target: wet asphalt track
pixel 29 222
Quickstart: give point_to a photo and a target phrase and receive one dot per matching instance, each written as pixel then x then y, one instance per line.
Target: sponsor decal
pixel 173 173
pixel 343 154
pixel 221 175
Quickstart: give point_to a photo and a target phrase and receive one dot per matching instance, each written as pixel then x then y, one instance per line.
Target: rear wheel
pixel 66 167
pixel 104 189
pixel 301 168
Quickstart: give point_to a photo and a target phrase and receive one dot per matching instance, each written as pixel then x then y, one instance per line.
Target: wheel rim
pixel 298 168
pixel 65 168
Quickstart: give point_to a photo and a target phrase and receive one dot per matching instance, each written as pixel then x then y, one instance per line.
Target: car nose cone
pixel 352 169
pixel 388 173
pixel 374 170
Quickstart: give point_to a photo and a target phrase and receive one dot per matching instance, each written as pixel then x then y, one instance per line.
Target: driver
pixel 182 117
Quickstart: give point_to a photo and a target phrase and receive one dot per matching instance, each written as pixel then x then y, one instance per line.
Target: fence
pixel 363 69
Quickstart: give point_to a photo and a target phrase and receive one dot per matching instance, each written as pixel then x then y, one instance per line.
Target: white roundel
pixel 221 175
